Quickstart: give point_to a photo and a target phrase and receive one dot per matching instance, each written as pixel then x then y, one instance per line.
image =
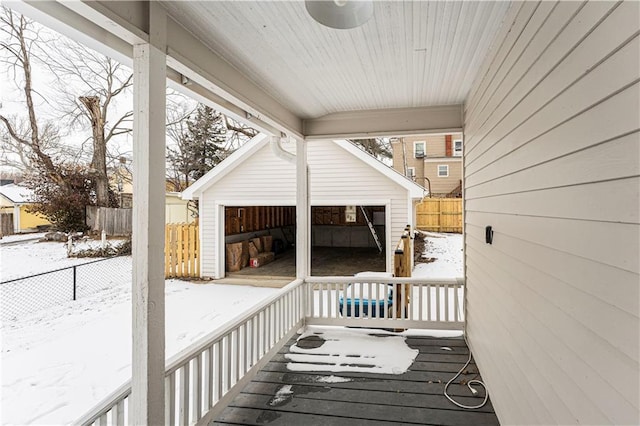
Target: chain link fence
pixel 26 295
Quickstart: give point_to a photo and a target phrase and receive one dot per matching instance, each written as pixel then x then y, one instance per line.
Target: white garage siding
pixel 552 164
pixel 336 178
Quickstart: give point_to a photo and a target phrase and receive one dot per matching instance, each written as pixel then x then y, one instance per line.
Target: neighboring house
pixel 15 199
pixel 433 161
pixel 261 173
pixel 177 209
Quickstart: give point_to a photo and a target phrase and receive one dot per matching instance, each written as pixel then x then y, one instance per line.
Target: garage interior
pixel 342 240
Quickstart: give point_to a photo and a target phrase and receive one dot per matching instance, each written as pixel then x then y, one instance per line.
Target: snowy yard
pixel 444 255
pixel 59 362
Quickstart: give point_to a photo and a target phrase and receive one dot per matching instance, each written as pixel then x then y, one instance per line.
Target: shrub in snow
pixel 123 249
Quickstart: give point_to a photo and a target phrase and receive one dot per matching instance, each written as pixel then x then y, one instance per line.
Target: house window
pixel 457 148
pixel 418 149
pixel 443 170
pixel 411 173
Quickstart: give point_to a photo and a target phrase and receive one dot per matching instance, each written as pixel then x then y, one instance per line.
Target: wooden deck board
pixel 277 396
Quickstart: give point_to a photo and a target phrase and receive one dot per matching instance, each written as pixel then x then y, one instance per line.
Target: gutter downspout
pixel 279 151
pixel 429 185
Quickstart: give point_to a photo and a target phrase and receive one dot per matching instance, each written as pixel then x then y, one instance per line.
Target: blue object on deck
pixel 367 307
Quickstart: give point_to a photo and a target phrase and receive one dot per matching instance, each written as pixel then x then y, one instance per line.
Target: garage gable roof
pixel 415 190
pixel 258 142
pixel 226 166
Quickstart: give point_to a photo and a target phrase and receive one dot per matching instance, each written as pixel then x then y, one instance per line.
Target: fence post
pixel 74 283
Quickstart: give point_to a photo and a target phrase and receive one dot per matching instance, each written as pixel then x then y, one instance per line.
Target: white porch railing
pixel 386 302
pixel 205 377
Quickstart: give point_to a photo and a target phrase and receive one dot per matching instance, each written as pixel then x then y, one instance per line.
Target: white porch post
pixel 302 211
pixel 149 86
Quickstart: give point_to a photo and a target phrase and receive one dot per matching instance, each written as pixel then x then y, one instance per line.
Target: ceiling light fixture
pixel 340 14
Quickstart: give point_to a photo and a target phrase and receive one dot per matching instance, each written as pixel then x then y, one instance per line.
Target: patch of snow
pixel 446 249
pixel 332 379
pixel 90 243
pixel 347 350
pixel 32 257
pixel 21 237
pixel 58 363
pixel 283 394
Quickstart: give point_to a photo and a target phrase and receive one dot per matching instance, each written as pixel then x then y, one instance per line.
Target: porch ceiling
pixel 410 54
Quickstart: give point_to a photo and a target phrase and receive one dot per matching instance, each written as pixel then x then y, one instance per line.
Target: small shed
pixel 14 200
pixel 357 202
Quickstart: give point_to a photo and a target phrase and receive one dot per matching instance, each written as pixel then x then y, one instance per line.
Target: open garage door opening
pixel 260 241
pixel 347 240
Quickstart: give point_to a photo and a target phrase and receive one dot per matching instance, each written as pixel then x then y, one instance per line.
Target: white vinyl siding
pixel 336 177
pixel 551 162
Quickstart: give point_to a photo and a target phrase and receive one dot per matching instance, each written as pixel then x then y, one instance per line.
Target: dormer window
pixel 418 149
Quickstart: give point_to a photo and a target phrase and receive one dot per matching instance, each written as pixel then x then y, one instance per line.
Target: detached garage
pixel 359 206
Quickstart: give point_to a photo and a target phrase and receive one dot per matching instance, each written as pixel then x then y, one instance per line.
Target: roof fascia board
pixel 226 166
pixel 385 122
pixel 112 27
pixel 415 190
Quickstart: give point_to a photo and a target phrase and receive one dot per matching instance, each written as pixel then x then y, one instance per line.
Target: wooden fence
pixel 6 224
pixel 439 215
pixel 113 221
pixel 181 251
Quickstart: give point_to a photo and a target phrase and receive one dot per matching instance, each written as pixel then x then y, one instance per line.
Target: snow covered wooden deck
pixel 283 394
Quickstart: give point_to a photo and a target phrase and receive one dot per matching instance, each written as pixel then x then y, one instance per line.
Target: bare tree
pixel 378 147
pixel 238 134
pixel 102 80
pixel 19 45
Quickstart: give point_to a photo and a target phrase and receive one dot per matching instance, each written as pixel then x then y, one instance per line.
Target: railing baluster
pixel 420 301
pixel 118 413
pixel 411 299
pixel 237 355
pixel 170 399
pixel 438 302
pixel 219 372
pixel 403 301
pixel 183 409
pixel 228 361
pixel 446 304
pixel 208 378
pixel 102 421
pixel 369 300
pixel 321 301
pixel 196 388
pixel 456 314
pixel 336 301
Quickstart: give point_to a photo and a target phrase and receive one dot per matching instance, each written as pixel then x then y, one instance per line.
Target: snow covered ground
pixel 446 249
pixel 58 362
